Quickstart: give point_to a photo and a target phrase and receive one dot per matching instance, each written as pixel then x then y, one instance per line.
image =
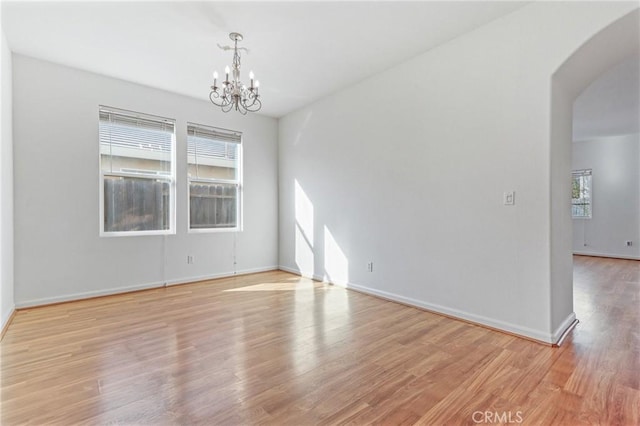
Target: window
pixel 581 194
pixel 214 158
pixel 137 173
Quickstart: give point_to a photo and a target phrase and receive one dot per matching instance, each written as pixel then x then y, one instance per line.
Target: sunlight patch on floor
pixel 281 286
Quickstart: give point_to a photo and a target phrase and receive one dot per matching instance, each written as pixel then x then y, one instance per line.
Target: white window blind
pixel 137 172
pixel 138 136
pixel 214 168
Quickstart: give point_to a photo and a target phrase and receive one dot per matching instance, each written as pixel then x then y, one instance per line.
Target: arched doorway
pixel 615 43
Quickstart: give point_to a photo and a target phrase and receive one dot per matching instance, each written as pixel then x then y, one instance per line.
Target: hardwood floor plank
pixel 274 348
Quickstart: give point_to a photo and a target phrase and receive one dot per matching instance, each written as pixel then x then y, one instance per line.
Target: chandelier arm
pixel 213 95
pixel 224 100
pixel 254 100
pixel 258 107
pixel 248 104
pixel 227 107
pixel 254 106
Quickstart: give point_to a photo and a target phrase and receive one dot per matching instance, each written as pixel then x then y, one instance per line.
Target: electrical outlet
pixel 629 243
pixel 189 260
pixel 509 198
pixel 370 267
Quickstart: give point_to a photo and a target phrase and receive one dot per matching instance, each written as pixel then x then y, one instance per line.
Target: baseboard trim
pixel 537 336
pixel 7 321
pixel 610 256
pixel 86 295
pixel 129 289
pixel 496 325
pixel 303 274
pixel 191 280
pixel 564 329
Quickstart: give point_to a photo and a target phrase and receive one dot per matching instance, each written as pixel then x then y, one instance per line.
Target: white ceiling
pixel 611 104
pixel 300 51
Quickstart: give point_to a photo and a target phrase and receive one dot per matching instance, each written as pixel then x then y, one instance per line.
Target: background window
pixel 581 194
pixel 137 171
pixel 214 169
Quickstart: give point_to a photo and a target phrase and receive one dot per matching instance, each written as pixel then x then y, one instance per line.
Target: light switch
pixel 509 198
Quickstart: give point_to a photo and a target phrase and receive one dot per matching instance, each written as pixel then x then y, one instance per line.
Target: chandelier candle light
pixel 232 94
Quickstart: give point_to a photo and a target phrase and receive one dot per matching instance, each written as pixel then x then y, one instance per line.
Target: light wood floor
pixel 274 348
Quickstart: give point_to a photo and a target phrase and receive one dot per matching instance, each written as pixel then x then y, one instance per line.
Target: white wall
pixel 408 168
pixel 58 252
pixel 615 162
pixel 611 104
pixel 6 189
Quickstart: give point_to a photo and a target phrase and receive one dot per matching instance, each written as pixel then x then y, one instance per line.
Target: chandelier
pixel 232 94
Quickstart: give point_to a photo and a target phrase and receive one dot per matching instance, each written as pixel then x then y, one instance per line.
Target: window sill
pixel 135 233
pixel 212 230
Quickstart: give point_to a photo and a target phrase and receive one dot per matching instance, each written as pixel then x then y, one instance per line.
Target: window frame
pixel 582 173
pixel 238 182
pixel 170 178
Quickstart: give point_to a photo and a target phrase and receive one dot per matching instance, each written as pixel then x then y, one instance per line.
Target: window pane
pixel 581 194
pixel 136 204
pixel 213 205
pixel 213 167
pixel 136 163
